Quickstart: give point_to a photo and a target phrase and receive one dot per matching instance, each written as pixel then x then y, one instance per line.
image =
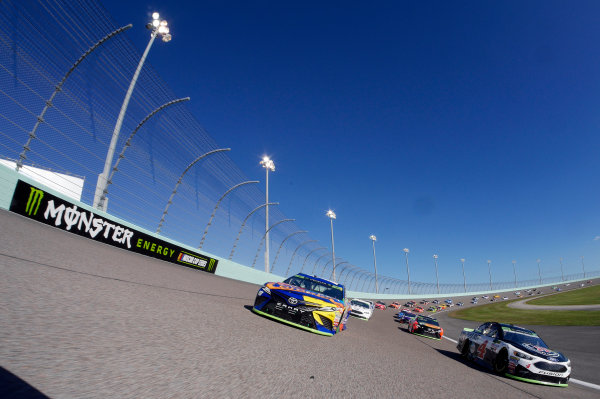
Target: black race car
pixel 426 326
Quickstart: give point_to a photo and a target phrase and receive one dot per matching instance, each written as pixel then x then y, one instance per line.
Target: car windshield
pixel 429 321
pixel 322 287
pixel 360 304
pixel 519 336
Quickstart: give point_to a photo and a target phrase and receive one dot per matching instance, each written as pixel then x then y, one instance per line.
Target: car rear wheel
pixel 501 362
pixel 465 349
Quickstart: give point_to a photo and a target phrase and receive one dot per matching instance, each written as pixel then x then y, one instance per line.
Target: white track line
pixel 585 384
pixel 573 380
pixel 450 339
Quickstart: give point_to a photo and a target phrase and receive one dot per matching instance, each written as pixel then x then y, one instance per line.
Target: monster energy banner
pixel 44 207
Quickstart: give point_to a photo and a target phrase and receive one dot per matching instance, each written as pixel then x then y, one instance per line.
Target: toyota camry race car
pixel 516 353
pixel 307 302
pixel 360 309
pixel 426 326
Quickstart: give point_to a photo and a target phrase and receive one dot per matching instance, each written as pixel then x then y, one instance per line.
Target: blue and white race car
pixel 516 353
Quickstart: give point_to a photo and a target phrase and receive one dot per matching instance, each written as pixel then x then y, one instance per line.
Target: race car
pixel 307 302
pixel 380 305
pixel 407 317
pixel 432 309
pixel 361 309
pixel 426 326
pixel 516 353
pixel 395 305
pixel 419 309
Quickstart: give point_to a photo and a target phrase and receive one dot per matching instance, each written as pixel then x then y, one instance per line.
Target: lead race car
pixel 516 353
pixel 307 302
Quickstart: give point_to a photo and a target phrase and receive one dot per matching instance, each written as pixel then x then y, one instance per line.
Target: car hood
pixel 430 326
pixel 301 294
pixel 542 352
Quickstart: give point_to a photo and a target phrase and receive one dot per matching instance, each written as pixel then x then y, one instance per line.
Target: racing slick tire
pixel 465 349
pixel 501 363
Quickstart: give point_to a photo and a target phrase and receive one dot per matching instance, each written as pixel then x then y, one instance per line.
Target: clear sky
pixel 468 129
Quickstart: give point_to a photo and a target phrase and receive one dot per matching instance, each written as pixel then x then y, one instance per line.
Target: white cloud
pixel 597 238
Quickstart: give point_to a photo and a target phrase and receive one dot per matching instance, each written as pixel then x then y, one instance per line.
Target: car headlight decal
pixel 327 309
pixel 267 290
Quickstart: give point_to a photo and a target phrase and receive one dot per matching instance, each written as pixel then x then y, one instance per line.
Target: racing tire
pixel 501 363
pixel 465 350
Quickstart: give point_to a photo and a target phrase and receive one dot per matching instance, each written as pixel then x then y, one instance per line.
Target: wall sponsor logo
pixel 34 203
pixel 195 260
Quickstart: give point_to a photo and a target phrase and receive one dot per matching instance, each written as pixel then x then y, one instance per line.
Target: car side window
pixel 492 331
pixel 482 328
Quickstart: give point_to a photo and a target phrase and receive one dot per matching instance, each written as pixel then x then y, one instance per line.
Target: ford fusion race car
pixel 360 309
pixel 426 326
pixel 516 353
pixel 304 301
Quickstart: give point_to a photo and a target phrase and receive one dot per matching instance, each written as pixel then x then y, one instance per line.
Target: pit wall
pixel 226 268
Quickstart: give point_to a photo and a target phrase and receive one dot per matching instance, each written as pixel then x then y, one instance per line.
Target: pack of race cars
pixel 321 306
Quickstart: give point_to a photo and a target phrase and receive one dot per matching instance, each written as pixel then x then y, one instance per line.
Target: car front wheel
pixel 501 363
pixel 465 349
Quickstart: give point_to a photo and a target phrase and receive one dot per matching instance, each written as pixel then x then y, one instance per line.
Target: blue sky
pixel 466 129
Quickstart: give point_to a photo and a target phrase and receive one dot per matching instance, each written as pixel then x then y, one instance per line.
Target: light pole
pixel 269 165
pixel 158 27
pixel 373 238
pixel 435 258
pixel 562 274
pixel 539 270
pixel 514 262
pixel 406 251
pixel 583 266
pixel 489 262
pixel 462 261
pixel 331 215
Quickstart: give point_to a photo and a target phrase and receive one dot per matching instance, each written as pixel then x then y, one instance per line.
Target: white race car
pixel 360 308
pixel 516 353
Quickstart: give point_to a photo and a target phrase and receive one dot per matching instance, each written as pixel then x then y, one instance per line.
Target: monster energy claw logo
pixel 34 201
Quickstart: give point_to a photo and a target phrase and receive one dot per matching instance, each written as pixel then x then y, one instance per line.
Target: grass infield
pixel 583 296
pixel 499 311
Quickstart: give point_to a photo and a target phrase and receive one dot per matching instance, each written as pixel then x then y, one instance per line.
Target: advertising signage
pixel 35 203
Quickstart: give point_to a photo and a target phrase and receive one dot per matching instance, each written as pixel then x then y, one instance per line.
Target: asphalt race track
pixel 82 319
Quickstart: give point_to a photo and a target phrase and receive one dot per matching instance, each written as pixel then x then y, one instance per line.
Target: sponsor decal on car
pixel 550 373
pixel 541 350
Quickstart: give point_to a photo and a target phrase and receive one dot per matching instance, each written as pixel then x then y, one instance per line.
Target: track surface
pixel 85 320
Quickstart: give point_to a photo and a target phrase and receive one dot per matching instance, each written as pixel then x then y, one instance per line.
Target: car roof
pixel 319 279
